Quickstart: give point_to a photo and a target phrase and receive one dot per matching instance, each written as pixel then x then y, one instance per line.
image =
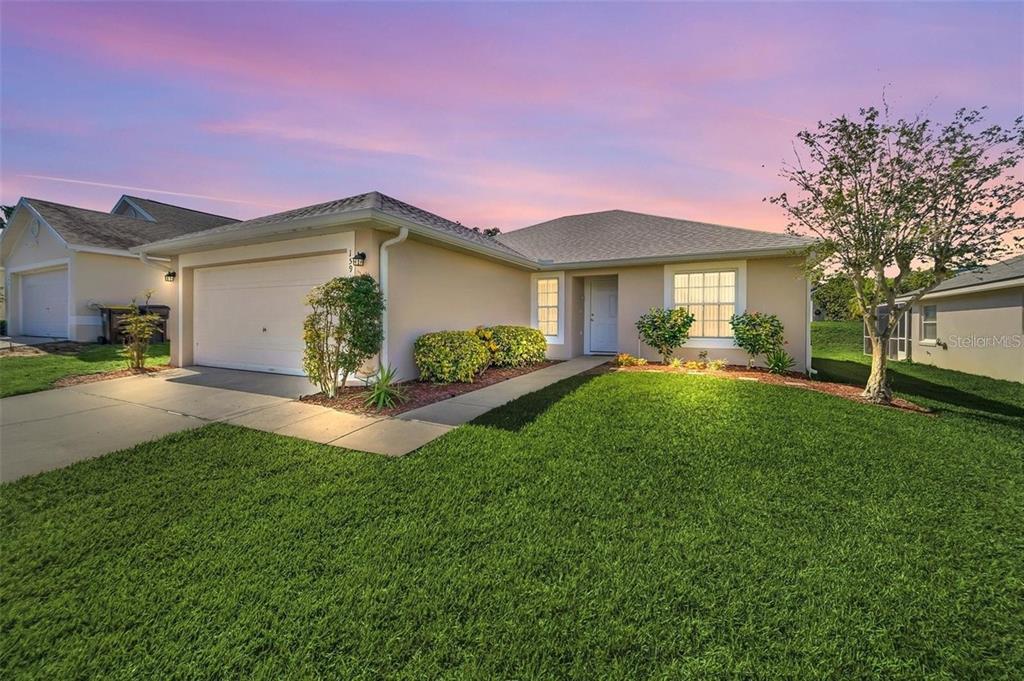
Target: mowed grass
pixel 837 348
pixel 621 526
pixel 21 374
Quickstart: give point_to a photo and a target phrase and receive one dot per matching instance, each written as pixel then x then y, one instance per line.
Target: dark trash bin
pixel 114 314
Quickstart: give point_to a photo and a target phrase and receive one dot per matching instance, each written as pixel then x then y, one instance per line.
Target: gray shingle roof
pixel 1000 271
pixel 185 219
pixel 84 227
pixel 374 201
pixel 620 235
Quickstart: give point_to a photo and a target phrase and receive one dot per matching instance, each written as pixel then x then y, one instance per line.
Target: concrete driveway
pixel 54 428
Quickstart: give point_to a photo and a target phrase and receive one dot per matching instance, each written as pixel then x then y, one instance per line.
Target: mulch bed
pixel 106 376
pixel 790 379
pixel 420 393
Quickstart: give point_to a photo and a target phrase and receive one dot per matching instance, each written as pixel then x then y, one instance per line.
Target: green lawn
pixel 837 348
pixel 30 373
pixel 626 525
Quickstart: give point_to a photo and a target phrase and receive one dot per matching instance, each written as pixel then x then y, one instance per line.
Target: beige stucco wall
pixel 982 333
pixel 111 280
pixel 28 251
pixel 430 288
pixel 435 289
pixel 773 285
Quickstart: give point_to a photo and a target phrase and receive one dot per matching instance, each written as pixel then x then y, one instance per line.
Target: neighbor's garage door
pixel 44 303
pixel 250 316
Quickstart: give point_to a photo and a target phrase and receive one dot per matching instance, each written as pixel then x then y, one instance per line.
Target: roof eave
pixel 979 287
pixel 793 251
pixel 454 241
pixel 200 242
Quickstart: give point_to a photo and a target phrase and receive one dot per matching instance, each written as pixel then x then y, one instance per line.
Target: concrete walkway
pixel 466 407
pixel 55 428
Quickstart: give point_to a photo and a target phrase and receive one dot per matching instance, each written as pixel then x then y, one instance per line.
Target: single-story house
pixel 583 280
pixel 61 261
pixel 973 322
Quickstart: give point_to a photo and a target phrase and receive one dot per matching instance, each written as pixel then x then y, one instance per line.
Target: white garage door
pixel 44 303
pixel 250 316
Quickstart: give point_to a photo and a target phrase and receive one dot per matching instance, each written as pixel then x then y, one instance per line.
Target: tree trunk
pixel 877 390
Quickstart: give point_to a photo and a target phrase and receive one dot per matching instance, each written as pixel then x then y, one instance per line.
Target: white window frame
pixel 924 338
pixel 738 266
pixel 534 322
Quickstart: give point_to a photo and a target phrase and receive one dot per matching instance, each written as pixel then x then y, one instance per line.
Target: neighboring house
pixel 973 322
pixel 584 280
pixel 60 261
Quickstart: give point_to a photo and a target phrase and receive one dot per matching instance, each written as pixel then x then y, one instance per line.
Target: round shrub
pixel 450 356
pixel 757 333
pixel 516 346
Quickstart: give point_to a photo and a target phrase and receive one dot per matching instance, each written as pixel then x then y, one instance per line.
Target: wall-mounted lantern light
pixel 358 259
pixel 170 276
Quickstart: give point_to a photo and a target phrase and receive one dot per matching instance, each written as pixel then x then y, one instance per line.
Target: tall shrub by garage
pixel 450 356
pixel 343 330
pixel 514 346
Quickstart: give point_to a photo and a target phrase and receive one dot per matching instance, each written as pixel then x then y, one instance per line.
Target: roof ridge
pixel 87 210
pixel 173 205
pixel 648 215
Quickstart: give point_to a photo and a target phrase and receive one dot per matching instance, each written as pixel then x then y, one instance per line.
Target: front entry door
pixel 603 330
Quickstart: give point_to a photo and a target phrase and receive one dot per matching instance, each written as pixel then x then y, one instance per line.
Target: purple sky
pixel 495 115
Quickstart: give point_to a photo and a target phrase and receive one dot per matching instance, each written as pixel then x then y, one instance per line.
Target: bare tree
pixel 881 196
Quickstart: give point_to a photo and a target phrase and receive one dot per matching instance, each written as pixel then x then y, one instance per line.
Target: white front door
pixel 44 303
pixel 603 325
pixel 250 316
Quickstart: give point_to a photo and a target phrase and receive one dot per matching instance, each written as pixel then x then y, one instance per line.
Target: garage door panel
pixel 44 303
pixel 250 316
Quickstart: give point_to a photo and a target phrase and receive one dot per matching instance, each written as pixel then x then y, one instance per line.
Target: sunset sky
pixel 491 114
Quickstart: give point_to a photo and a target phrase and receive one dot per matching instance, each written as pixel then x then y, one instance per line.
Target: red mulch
pixel 106 376
pixel 420 393
pixel 790 379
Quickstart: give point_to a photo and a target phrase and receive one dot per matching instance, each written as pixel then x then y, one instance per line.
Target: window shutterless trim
pixel 737 266
pixel 559 338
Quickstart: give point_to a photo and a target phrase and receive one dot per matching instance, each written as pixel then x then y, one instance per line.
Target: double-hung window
pixel 548 305
pixel 710 296
pixel 712 292
pixel 929 324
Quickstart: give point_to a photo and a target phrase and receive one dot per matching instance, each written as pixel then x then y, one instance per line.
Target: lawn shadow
pixel 937 394
pixel 522 411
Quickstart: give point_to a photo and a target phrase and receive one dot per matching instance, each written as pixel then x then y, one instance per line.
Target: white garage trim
pixel 249 315
pixel 60 325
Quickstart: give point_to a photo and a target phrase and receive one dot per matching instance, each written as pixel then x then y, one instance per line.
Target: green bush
pixel 779 361
pixel 757 333
pixel 665 329
pixel 447 356
pixel 138 328
pixel 343 330
pixel 514 346
pixel 385 391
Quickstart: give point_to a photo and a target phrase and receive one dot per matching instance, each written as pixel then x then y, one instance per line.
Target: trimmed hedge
pixel 450 356
pixel 514 346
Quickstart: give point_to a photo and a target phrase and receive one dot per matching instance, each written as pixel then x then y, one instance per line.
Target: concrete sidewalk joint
pixel 55 428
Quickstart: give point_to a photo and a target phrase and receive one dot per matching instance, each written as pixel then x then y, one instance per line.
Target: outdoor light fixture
pixel 358 259
pixel 170 276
